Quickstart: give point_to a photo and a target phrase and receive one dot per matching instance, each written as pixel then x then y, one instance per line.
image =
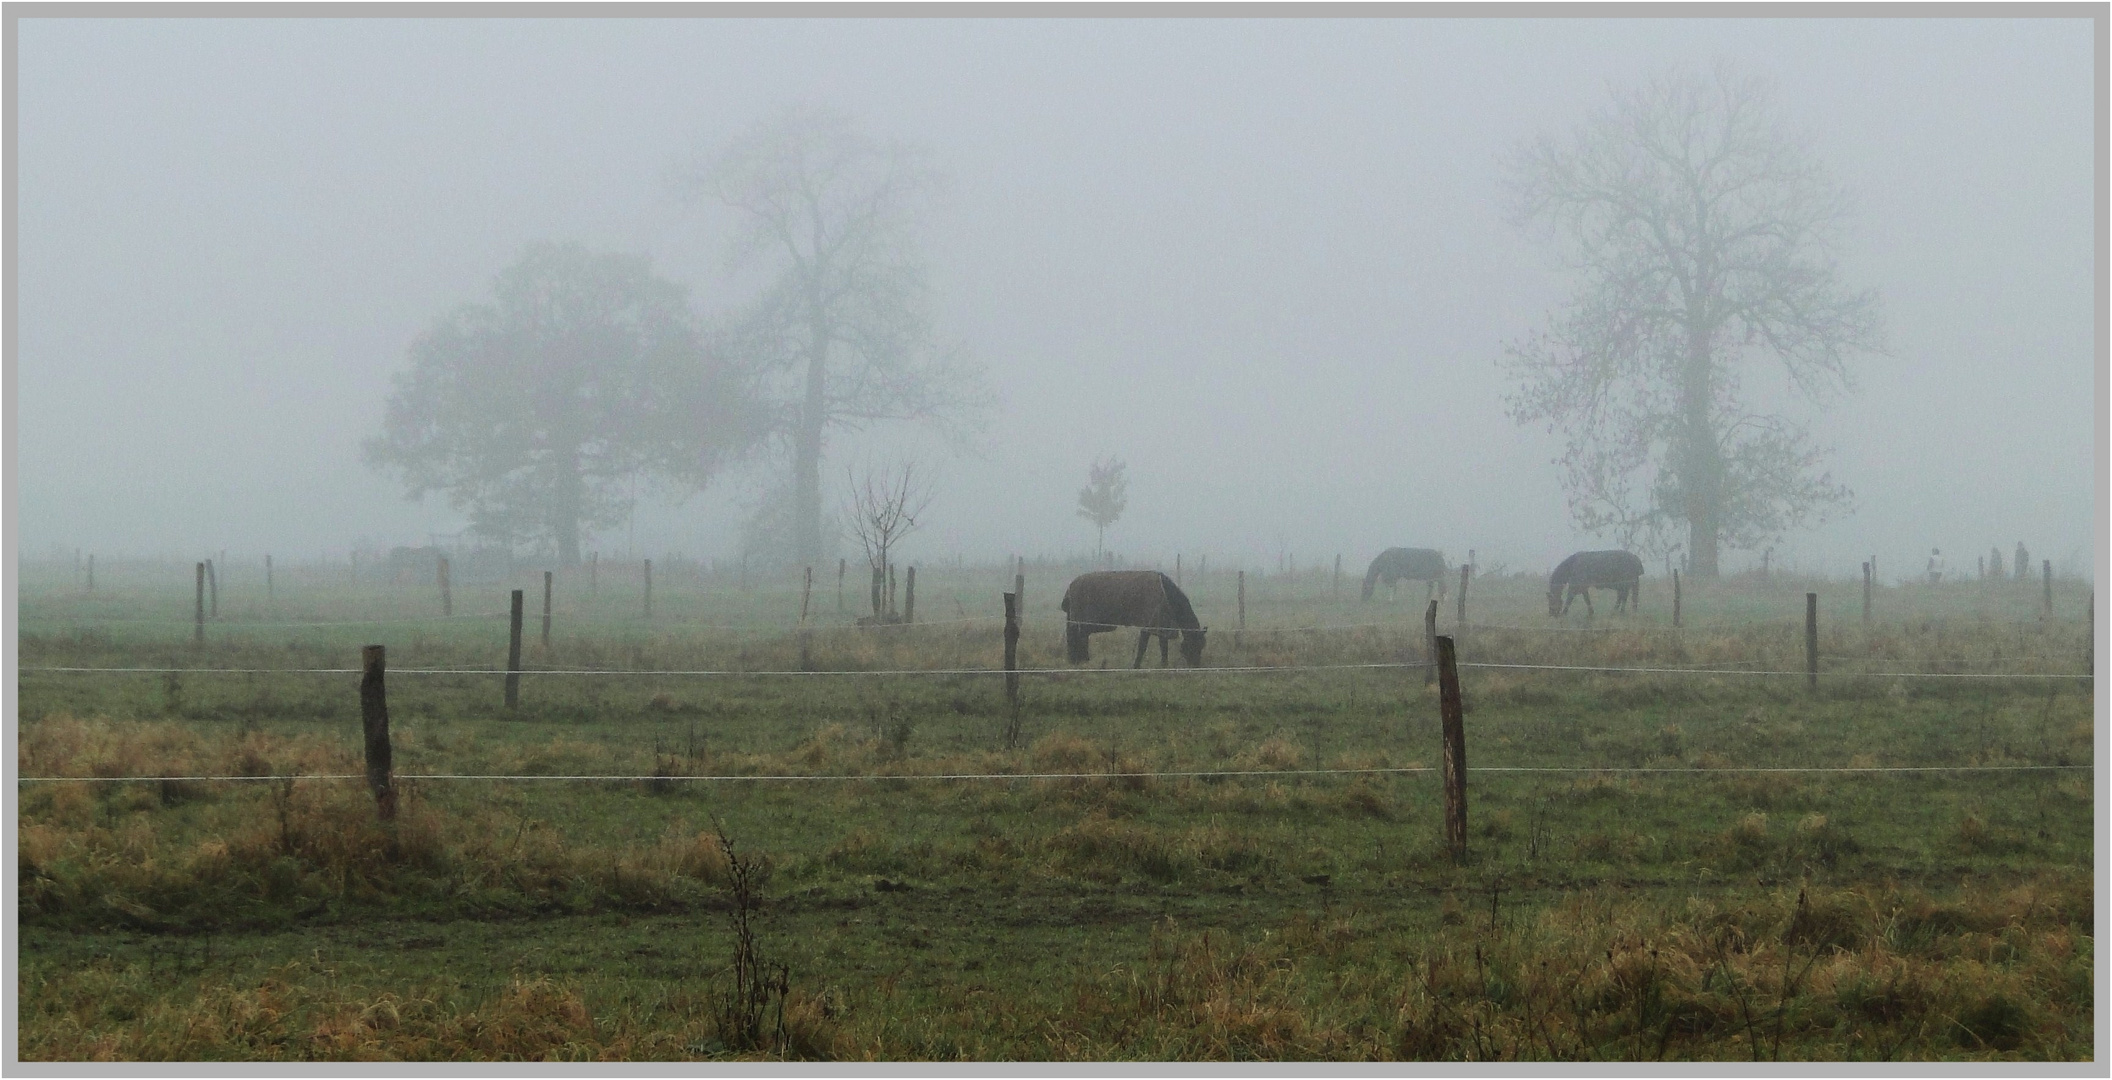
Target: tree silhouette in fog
pixel 1701 239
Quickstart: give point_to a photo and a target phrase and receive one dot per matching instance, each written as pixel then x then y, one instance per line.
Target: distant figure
pixel 1105 599
pixel 1584 571
pixel 2023 563
pixel 1412 564
pixel 1994 564
pixel 1935 565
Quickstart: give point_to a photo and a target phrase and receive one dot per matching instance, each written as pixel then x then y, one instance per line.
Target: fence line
pixel 1274 668
pixel 1165 774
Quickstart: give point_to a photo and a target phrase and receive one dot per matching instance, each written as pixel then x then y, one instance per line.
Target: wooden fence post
pixel 1012 649
pixel 1239 635
pixel 447 590
pixel 1675 597
pixel 1866 594
pixel 198 617
pixel 1453 718
pixel 546 608
pixel 648 588
pixel 374 718
pixel 513 655
pixel 909 597
pixel 1811 639
pixel 269 596
pixel 2046 570
pixel 1464 570
pixel 212 582
pixel 1430 643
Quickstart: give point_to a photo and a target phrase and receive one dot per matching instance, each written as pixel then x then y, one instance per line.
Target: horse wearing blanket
pixel 1588 570
pixel 1103 600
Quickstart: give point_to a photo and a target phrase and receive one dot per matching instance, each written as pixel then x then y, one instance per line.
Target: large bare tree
pixel 829 215
pixel 1702 240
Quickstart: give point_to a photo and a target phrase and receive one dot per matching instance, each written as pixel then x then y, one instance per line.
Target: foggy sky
pixel 1263 261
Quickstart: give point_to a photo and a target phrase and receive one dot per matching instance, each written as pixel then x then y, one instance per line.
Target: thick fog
pixel 1267 263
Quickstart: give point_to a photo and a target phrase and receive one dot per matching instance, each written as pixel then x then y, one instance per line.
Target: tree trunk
pixel 806 465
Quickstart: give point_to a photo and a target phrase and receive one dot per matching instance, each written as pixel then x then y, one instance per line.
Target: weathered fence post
pixel 513 655
pixel 212 583
pixel 648 588
pixel 374 718
pixel 1811 639
pixel 2046 571
pixel 198 617
pixel 1012 649
pixel 1866 594
pixel 909 597
pixel 806 636
pixel 546 608
pixel 447 589
pixel 1239 635
pixel 1453 718
pixel 1464 570
pixel 1430 643
pixel 1675 597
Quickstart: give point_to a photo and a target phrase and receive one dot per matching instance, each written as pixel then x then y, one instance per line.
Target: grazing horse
pixel 1413 564
pixel 1105 599
pixel 1588 570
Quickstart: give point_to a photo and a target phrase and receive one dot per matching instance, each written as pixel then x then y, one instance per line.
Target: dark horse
pixel 1413 564
pixel 1588 570
pixel 1102 600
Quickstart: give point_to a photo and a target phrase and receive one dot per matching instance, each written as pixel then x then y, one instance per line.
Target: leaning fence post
pixel 909 597
pixel 198 618
pixel 212 582
pixel 1675 597
pixel 648 588
pixel 1453 718
pixel 2046 570
pixel 374 718
pixel 513 655
pixel 1464 570
pixel 1430 643
pixel 546 608
pixel 1811 639
pixel 1866 594
pixel 1012 649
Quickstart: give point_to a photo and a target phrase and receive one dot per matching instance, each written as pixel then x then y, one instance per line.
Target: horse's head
pixel 1371 581
pixel 1554 600
pixel 1192 645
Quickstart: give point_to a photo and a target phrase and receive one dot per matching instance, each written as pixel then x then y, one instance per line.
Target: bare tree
pixel 883 504
pixel 1702 237
pixel 1104 497
pixel 844 320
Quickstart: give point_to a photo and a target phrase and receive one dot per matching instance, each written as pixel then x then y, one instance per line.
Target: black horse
pixel 1412 564
pixel 1100 601
pixel 1588 570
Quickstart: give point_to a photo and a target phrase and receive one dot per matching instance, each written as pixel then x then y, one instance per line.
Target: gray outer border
pixel 10 41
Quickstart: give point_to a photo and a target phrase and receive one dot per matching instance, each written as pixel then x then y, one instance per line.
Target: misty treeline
pixel 1699 232
pixel 540 411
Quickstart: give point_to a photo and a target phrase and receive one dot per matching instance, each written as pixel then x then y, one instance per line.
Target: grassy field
pixel 1651 896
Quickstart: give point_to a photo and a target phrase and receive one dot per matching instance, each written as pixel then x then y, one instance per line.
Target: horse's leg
pixel 1163 639
pixel 1588 611
pixel 1143 639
